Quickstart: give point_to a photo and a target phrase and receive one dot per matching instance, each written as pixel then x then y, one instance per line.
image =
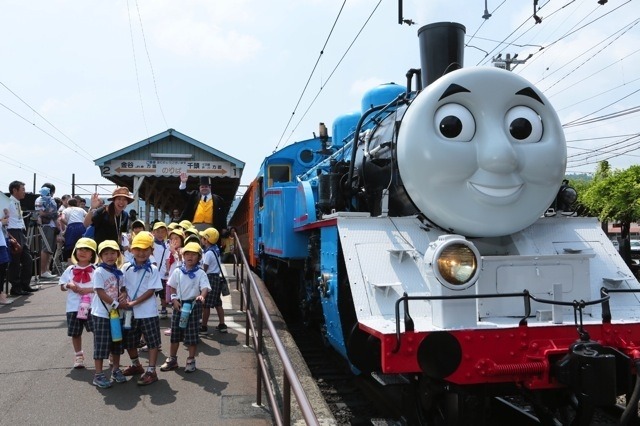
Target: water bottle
pixel 128 316
pixel 184 314
pixel 85 305
pixel 116 330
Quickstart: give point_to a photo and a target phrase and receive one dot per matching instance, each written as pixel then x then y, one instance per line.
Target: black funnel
pixel 441 49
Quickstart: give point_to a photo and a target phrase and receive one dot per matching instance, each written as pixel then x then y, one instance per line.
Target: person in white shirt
pixel 72 221
pixel 21 267
pixel 47 210
pixel 189 287
pixel 141 281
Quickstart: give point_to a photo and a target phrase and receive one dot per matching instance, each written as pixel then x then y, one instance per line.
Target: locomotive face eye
pixel 524 124
pixel 454 122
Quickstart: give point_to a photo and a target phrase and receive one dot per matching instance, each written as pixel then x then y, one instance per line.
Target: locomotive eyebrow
pixel 456 88
pixel 528 91
pixel 452 90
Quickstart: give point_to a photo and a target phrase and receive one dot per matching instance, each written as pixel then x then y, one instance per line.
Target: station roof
pixel 151 169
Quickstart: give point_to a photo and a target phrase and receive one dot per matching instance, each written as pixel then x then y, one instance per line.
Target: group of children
pixel 183 271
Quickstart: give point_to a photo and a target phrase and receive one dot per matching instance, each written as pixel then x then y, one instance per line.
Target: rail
pixel 257 318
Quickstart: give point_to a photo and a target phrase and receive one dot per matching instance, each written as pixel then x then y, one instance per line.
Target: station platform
pixel 39 386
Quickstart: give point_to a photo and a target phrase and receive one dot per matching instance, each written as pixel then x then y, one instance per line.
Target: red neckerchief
pixel 82 275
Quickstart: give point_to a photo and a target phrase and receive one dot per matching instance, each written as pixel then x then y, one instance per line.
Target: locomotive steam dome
pixel 481 152
pixel 381 95
pixel 343 126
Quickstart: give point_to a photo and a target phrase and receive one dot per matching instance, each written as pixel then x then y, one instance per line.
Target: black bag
pixel 224 289
pixel 225 286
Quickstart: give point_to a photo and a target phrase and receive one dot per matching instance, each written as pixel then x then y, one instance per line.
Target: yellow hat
pixel 185 224
pixel 108 244
pixel 178 232
pixel 83 243
pixel 172 225
pixel 192 231
pixel 211 235
pixel 112 245
pixel 192 247
pixel 159 225
pixel 143 240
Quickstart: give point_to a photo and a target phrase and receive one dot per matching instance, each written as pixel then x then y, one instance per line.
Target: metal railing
pixel 257 318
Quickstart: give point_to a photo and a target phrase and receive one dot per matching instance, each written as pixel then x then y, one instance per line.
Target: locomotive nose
pixel 497 156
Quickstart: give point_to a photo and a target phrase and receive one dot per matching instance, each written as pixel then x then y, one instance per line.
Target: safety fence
pixel 257 320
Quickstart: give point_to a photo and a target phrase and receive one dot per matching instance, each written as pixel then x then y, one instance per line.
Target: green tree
pixel 614 195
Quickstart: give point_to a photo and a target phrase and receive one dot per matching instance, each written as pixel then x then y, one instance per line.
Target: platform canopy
pixel 151 170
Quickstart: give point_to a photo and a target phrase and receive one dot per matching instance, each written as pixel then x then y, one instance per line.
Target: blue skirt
pixel 73 233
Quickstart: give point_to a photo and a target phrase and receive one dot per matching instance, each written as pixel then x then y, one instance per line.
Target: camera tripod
pixel 37 241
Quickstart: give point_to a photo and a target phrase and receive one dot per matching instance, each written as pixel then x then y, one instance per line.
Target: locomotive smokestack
pixel 441 49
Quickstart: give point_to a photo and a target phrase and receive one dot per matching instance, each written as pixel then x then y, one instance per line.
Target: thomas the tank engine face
pixel 481 152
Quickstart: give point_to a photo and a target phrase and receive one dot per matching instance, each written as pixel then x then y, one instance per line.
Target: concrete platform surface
pixel 39 386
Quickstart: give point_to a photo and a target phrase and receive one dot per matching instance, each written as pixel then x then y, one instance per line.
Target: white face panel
pixel 481 152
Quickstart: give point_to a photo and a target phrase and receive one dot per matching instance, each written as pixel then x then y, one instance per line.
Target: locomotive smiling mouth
pixel 496 192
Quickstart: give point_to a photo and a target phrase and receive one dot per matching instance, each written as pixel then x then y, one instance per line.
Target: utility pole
pixel 506 63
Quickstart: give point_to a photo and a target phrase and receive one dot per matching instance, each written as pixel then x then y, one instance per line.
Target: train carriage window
pixel 279 173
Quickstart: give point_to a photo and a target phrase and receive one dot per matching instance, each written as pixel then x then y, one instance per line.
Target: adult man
pixel 20 268
pixel 175 216
pixel 47 215
pixel 203 208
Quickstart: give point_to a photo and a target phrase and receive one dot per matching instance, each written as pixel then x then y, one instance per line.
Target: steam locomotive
pixel 432 238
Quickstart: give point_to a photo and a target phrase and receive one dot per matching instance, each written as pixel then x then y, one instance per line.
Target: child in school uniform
pixel 141 281
pixel 161 253
pixel 174 260
pixel 136 227
pixel 188 284
pixel 211 265
pixel 77 280
pixel 107 281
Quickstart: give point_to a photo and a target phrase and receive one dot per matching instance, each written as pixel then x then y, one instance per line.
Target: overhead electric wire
pixel 45 132
pixel 510 34
pixel 600 93
pixel 135 64
pixel 629 147
pixel 484 21
pixel 582 120
pixel 47 121
pixel 153 74
pixel 310 75
pixel 572 31
pixel 335 68
pixel 592 56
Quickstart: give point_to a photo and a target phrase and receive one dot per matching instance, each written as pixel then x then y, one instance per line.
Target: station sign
pixel 124 167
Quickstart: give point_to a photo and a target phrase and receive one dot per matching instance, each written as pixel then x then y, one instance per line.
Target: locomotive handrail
pixel 578 306
pixel 254 331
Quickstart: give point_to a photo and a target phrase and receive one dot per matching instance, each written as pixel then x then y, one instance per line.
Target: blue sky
pixel 229 73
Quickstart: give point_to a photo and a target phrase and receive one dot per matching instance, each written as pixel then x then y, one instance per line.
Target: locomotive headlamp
pixel 455 261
